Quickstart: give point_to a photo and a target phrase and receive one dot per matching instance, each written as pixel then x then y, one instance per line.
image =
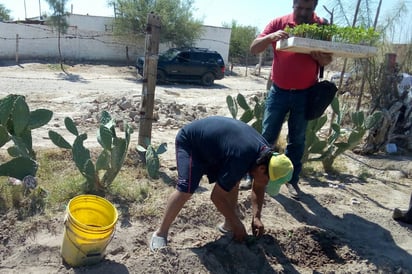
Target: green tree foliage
pixel 58 20
pixel 240 40
pixel 58 17
pixel 391 22
pixel 178 26
pixel 4 13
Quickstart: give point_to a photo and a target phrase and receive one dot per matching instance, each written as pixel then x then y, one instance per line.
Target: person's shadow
pixel 104 267
pixel 368 240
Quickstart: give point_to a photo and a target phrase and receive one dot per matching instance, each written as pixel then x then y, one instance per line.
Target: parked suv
pixel 188 64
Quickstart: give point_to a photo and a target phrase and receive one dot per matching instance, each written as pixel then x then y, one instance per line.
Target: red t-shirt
pixel 291 70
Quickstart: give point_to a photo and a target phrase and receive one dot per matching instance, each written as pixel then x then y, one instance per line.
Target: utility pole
pixel 25 10
pixel 149 78
pixel 39 11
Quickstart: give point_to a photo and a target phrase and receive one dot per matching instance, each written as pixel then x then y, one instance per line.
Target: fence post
pixel 388 80
pixel 149 78
pixel 17 49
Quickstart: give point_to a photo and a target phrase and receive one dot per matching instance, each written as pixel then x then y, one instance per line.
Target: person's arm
pixel 261 43
pixel 322 58
pixel 258 194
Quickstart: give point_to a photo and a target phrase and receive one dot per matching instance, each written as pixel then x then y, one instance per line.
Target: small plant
pixel 351 35
pixel 365 175
pixel 152 157
pixel 101 174
pixel 25 197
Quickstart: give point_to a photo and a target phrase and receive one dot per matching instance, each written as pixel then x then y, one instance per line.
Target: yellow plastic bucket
pixel 90 223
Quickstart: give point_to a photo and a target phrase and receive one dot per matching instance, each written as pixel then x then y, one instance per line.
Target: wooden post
pixel 17 49
pixel 345 61
pixel 149 78
pixel 365 64
pixel 388 83
pixel 260 63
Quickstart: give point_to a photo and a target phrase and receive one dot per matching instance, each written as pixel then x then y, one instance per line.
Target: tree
pixel 240 40
pixel 179 28
pixel 58 20
pixel 382 75
pixel 391 26
pixel 4 13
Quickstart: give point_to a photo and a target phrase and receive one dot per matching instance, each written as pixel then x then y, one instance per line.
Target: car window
pixel 198 57
pixel 183 57
pixel 215 58
pixel 169 54
pixel 210 59
pixel 220 61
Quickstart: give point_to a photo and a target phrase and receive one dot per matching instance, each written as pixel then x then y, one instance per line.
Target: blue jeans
pixel 278 104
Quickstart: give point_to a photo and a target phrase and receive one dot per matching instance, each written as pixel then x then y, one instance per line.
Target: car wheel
pixel 161 76
pixel 208 79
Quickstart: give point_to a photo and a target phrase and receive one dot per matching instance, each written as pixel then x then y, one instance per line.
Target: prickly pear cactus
pixel 327 148
pixel 254 114
pixel 152 157
pixel 232 105
pixel 110 160
pixel 152 162
pixel 16 124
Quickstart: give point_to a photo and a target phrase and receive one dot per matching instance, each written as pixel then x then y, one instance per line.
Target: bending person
pixel 224 149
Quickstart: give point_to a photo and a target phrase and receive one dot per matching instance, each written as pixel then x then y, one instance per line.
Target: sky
pixel 213 12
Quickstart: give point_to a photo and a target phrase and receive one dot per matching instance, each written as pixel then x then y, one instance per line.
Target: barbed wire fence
pixel 36 42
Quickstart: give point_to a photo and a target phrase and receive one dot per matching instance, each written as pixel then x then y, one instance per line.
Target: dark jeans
pixel 279 103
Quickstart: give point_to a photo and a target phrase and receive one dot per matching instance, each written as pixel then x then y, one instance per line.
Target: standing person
pixel 224 149
pixel 292 75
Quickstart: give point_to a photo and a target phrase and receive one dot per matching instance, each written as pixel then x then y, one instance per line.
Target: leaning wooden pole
pixel 365 64
pixel 345 61
pixel 149 78
pixel 355 19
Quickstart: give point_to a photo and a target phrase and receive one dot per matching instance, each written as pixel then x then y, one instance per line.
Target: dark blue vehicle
pixel 187 64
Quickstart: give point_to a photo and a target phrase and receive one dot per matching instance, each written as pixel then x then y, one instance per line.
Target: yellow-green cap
pixel 280 172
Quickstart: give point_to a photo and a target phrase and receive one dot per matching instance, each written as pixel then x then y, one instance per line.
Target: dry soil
pixel 342 224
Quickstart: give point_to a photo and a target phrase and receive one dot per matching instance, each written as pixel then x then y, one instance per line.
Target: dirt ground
pixel 342 224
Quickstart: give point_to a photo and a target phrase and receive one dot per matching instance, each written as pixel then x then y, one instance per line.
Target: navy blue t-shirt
pixel 226 148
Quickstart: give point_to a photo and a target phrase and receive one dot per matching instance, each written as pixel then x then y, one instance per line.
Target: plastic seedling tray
pixel 306 45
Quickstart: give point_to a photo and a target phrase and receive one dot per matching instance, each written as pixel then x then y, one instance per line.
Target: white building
pixel 89 38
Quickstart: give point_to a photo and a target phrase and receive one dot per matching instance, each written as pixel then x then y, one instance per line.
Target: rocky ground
pixel 342 224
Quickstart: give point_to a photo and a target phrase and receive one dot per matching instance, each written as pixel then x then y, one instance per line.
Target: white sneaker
pixel 245 184
pixel 293 191
pixel 157 242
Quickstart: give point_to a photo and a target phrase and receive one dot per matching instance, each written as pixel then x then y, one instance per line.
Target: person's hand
pixel 257 227
pixel 239 231
pixel 323 58
pixel 278 35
